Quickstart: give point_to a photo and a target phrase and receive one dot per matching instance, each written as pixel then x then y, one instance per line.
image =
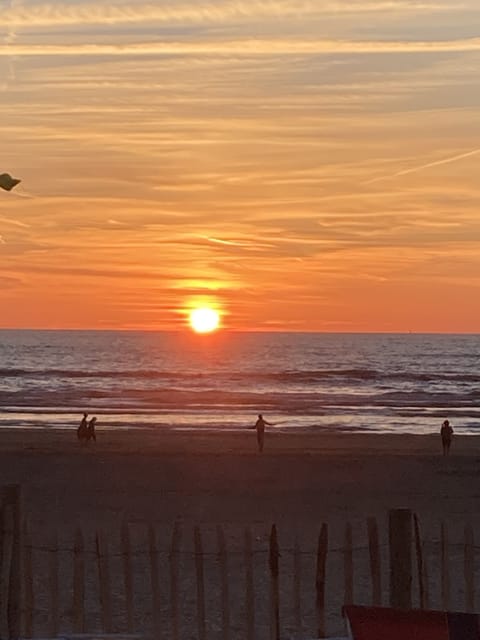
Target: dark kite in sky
pixel 7 182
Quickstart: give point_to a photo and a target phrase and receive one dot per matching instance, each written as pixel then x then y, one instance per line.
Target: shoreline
pixel 215 441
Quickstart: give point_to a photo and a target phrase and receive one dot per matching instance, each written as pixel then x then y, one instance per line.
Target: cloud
pixel 9 282
pixel 15 223
pixel 88 13
pixel 10 37
pixel 241 244
pixel 244 47
pixel 191 158
pixel 98 272
pixel 421 167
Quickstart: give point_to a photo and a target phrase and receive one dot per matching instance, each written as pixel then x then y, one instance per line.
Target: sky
pixel 297 165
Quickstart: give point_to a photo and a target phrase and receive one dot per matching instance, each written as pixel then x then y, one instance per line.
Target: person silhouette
pixel 91 430
pixel 82 429
pixel 446 433
pixel 260 425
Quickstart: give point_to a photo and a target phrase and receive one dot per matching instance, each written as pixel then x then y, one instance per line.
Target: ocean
pixel 406 383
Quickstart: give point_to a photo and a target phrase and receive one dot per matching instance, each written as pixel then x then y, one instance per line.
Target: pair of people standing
pixel 86 430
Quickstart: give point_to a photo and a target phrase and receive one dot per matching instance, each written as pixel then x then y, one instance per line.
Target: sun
pixel 204 320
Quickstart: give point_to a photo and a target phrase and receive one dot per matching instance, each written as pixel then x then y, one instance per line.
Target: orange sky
pixel 305 166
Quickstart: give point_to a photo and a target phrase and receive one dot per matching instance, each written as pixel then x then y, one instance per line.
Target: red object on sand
pixel 379 623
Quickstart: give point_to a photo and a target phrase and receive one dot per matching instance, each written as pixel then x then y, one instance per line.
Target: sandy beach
pixel 208 479
pixel 220 477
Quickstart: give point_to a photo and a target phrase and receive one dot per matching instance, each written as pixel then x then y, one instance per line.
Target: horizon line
pixel 187 330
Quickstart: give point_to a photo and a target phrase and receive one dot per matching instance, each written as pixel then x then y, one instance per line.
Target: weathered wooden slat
pixel 297 586
pixel 174 571
pixel 375 561
pixel 419 555
pixel 29 598
pixel 104 581
pixel 6 557
pixel 322 550
pixel 445 567
pixel 348 565
pixel 53 622
pixel 202 633
pixel 154 580
pixel 469 569
pixel 78 582
pixel 426 583
pixel 273 561
pixel 249 584
pixel 225 592
pixel 400 542
pixel 10 496
pixel 127 576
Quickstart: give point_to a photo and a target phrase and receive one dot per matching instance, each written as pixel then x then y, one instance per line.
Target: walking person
pixel 446 433
pixel 83 428
pixel 260 425
pixel 91 430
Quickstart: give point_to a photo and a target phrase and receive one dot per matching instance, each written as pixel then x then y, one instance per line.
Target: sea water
pixel 300 381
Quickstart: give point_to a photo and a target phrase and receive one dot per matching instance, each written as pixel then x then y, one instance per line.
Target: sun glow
pixel 204 320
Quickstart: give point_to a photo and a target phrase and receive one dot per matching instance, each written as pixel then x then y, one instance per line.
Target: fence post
pixel 400 541
pixel 202 634
pixel 127 575
pixel 222 559
pixel 104 581
pixel 445 567
pixel 348 564
pixel 174 560
pixel 469 569
pixel 7 548
pixel 426 583
pixel 29 602
pixel 297 585
pixel 320 579
pixel 53 580
pixel 375 565
pixel 78 583
pixel 155 583
pixel 249 593
pixel 11 561
pixel 273 556
pixel 419 555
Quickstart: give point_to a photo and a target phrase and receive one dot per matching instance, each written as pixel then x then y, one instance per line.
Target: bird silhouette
pixel 7 182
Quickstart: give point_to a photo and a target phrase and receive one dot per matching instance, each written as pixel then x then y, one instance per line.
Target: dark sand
pixel 216 478
pixel 220 477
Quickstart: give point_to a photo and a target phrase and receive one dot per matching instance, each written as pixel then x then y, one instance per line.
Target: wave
pixel 370 382
pixel 231 400
pixel 299 377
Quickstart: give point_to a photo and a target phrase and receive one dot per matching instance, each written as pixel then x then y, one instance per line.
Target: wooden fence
pixel 216 583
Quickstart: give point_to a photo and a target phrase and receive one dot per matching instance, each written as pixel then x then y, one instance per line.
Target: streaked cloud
pixel 16 223
pixel 240 154
pixel 243 47
pixel 242 244
pixel 428 165
pixel 46 14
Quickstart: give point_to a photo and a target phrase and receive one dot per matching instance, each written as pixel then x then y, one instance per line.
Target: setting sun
pixel 204 320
